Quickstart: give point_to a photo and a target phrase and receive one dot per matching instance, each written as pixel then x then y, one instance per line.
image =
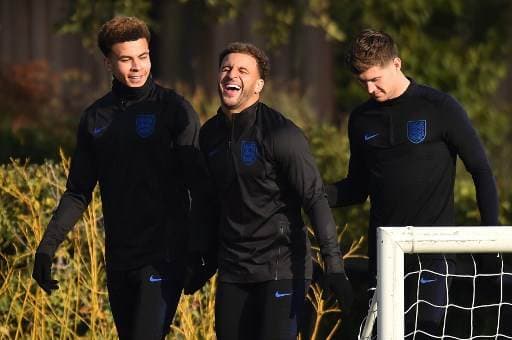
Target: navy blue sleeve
pixel 193 168
pixel 291 153
pixel 354 188
pixel 81 181
pixel 463 139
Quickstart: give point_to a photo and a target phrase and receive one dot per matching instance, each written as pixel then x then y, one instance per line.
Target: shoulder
pixel 211 127
pixel 281 132
pixel 212 123
pixel 360 111
pixel 274 124
pixel 181 111
pixel 368 105
pixel 446 106
pixel 102 103
pixel 432 95
pixel 168 95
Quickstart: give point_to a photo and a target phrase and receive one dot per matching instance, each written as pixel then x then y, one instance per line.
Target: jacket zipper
pixel 123 104
pixel 278 252
pixel 230 137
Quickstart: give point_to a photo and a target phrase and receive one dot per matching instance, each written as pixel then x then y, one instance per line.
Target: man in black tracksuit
pixel 264 174
pixel 140 143
pixel 404 142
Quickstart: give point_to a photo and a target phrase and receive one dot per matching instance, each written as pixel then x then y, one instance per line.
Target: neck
pixel 403 84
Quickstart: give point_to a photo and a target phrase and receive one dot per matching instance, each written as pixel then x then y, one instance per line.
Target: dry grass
pixel 79 309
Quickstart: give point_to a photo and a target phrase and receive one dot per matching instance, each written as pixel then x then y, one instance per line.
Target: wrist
pixel 334 265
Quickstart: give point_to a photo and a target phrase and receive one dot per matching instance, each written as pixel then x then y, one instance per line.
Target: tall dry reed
pixel 79 308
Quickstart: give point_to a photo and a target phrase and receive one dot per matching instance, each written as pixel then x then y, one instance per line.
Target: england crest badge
pixel 248 152
pixel 145 124
pixel 416 131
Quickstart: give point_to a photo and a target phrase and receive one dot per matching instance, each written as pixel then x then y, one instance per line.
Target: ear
pixel 397 62
pixel 259 85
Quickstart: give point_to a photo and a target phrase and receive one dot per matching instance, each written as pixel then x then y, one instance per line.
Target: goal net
pixel 461 276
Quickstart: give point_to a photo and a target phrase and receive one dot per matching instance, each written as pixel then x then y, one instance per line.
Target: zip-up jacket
pixel 403 156
pixel 264 174
pixel 141 146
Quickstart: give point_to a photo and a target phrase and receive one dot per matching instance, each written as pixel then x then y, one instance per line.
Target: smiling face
pixel 384 82
pixel 129 62
pixel 239 82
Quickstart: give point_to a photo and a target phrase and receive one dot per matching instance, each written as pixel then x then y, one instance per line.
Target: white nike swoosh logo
pixel 368 137
pixel 154 278
pixel 279 295
pixel 98 130
pixel 424 281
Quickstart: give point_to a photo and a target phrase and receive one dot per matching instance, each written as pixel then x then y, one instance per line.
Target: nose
pixel 135 65
pixel 370 87
pixel 232 73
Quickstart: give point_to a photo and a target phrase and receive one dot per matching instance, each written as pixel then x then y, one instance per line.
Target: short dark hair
pixel 370 48
pixel 250 49
pixel 121 29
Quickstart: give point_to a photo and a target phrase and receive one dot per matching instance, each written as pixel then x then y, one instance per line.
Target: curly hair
pixel 370 48
pixel 247 48
pixel 121 29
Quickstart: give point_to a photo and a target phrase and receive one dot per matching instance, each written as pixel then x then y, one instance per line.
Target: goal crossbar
pixel 394 242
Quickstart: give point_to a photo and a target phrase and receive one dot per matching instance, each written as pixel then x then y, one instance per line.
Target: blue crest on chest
pixel 248 152
pixel 145 124
pixel 416 131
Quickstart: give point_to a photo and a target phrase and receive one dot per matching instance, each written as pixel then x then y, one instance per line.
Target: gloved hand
pixel 199 269
pixel 339 285
pixel 42 273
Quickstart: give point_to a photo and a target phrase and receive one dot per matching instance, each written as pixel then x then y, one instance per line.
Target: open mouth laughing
pixel 231 89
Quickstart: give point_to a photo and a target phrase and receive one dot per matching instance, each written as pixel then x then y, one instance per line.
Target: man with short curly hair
pixel 139 142
pixel 264 174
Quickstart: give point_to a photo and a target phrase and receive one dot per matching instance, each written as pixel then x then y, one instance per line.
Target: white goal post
pixel 394 242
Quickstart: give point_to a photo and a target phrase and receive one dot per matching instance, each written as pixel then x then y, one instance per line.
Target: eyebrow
pixel 128 56
pixel 371 79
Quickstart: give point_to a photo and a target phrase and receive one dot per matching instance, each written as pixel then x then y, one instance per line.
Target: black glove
pixel 200 268
pixel 339 285
pixel 42 273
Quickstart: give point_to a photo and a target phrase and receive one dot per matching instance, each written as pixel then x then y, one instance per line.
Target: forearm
pixel 487 197
pixel 325 232
pixel 345 192
pixel 69 211
pixel 204 206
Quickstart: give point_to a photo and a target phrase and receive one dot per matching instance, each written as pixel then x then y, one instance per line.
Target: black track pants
pixel 430 286
pixel 143 301
pixel 271 310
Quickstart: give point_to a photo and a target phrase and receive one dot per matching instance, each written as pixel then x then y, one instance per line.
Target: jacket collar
pixel 403 96
pixel 243 118
pixel 132 94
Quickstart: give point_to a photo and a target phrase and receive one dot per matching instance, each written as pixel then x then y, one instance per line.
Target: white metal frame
pixel 394 242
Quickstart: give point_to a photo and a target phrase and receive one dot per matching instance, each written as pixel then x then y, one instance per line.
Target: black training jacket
pixel 403 154
pixel 264 173
pixel 141 146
